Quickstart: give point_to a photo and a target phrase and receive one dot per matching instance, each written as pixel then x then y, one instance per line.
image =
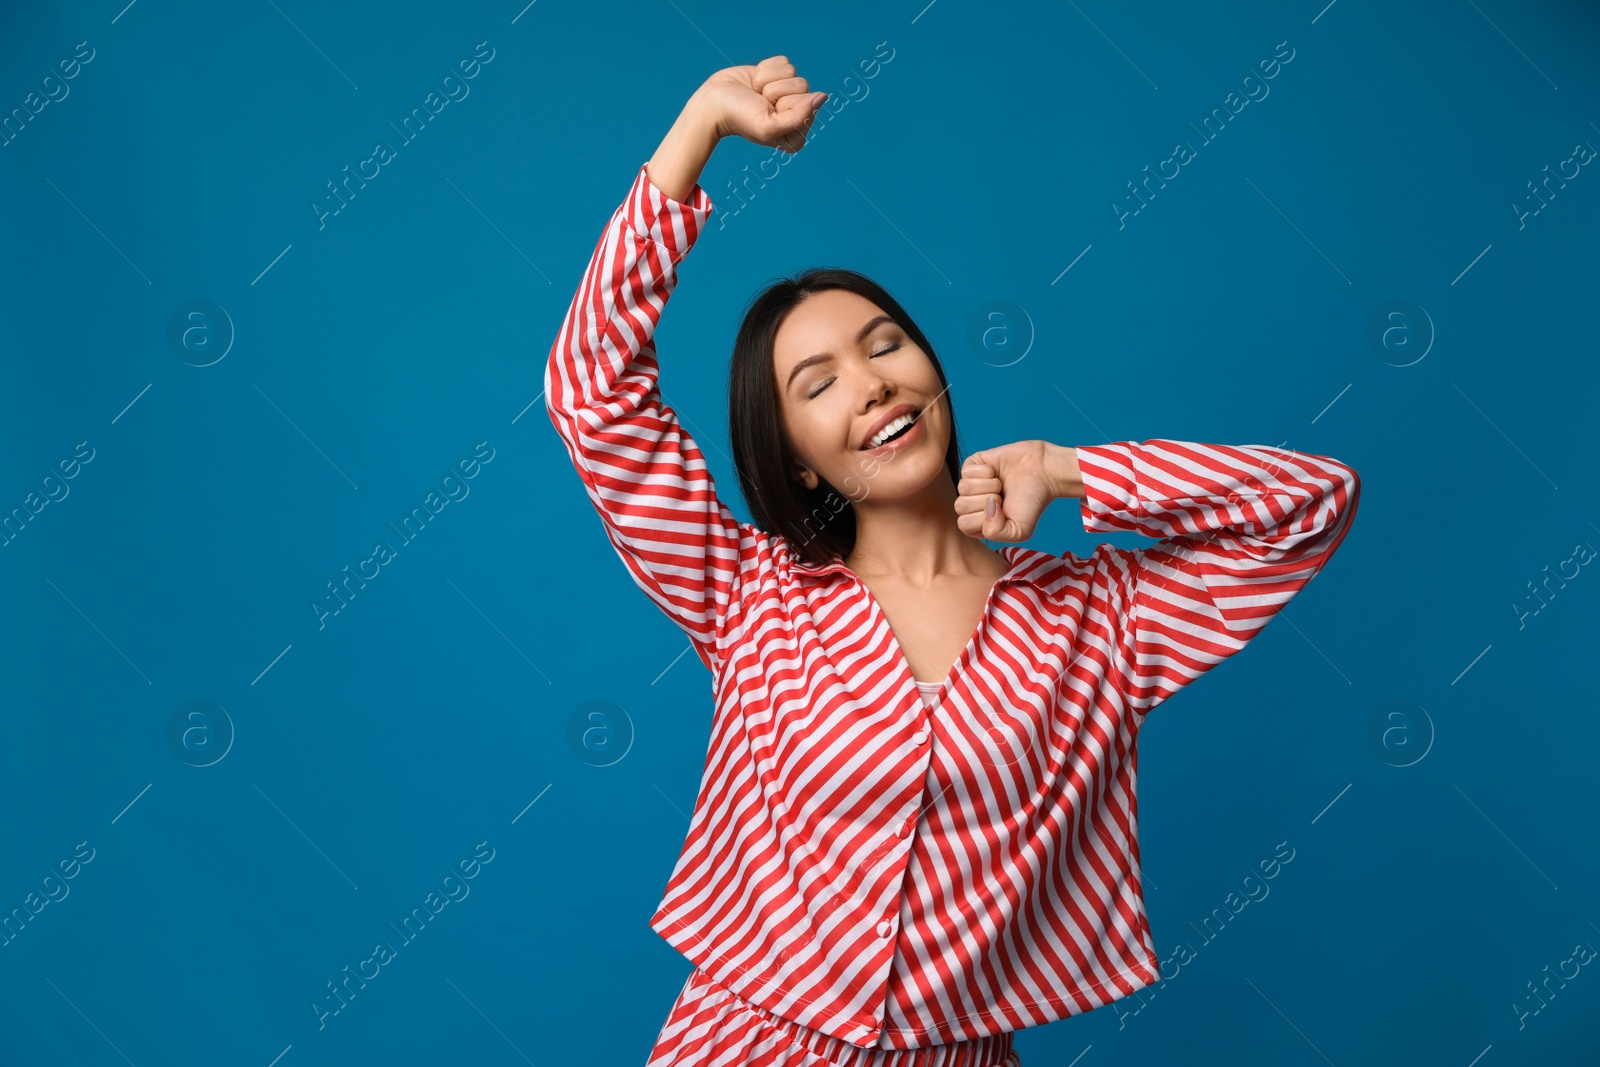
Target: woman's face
pixel 843 365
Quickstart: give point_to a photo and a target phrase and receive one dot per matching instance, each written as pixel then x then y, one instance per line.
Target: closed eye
pixel 828 381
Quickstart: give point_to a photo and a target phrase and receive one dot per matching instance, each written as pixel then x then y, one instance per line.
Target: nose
pixel 875 389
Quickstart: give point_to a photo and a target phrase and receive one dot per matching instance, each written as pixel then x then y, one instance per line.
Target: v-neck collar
pixel 1027 565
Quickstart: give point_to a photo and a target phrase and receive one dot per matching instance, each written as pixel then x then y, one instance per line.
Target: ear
pixel 805 476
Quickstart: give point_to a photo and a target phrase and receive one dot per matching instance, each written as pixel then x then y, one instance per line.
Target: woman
pixel 917 828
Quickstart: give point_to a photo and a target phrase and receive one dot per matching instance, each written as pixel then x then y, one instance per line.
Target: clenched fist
pixel 767 103
pixel 1004 490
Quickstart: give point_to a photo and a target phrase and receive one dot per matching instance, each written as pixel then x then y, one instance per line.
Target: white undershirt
pixel 929 690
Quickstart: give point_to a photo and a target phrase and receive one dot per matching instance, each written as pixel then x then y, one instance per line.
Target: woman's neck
pixel 917 541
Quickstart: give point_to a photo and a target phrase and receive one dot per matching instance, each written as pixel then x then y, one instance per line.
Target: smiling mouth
pixel 915 417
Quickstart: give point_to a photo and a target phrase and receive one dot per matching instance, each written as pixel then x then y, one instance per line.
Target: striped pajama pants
pixel 711 1026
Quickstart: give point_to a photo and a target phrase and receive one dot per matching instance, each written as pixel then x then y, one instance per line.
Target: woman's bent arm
pixel 1243 529
pixel 682 155
pixel 644 474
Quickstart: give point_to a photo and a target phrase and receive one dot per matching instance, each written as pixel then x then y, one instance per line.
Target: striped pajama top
pixel 888 870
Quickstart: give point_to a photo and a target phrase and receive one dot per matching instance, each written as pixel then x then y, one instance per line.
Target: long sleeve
pixel 1243 529
pixel 644 474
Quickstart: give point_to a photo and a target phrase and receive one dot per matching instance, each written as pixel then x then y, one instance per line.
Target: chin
pixel 899 478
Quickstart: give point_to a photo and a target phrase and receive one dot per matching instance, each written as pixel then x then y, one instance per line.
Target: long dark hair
pixel 820 523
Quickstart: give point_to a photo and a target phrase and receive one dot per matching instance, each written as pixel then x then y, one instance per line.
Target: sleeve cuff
pixel 654 215
pixel 1110 485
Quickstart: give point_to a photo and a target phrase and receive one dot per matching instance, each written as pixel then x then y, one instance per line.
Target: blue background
pixel 1442 858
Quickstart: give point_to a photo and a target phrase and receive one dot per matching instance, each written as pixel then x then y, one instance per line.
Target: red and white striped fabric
pixel 890 873
pixel 711 1026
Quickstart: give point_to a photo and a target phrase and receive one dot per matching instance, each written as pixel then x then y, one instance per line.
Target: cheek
pixel 807 435
pixel 821 424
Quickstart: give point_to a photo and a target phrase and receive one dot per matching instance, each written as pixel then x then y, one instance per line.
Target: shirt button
pixel 919 737
pixel 883 929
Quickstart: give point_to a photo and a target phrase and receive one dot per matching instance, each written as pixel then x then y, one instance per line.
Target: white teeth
pixel 894 427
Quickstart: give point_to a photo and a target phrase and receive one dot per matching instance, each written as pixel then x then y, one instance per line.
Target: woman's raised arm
pixel 1243 528
pixel 643 473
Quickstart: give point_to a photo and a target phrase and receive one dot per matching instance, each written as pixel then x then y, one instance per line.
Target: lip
pixel 905 440
pixel 888 417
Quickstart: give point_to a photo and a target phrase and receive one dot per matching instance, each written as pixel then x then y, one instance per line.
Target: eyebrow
pixel 823 357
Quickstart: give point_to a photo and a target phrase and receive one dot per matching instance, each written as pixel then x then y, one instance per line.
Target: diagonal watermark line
pixel 498 230
pixel 88 1020
pixel 101 232
pixel 1509 441
pixel 101 632
pixel 1069 266
pixel 302 833
pixel 669 801
pixel 702 33
pixel 302 433
pixel 1285 617
pixel 1113 44
pixel 1288 1020
pixel 1079 410
pixel 131 803
pixel 269 666
pixel 132 402
pixel 531 803
pixel 669 666
pixel 1513 44
pixel 1468 667
pixel 1502 833
pixel 1301 232
pixel 901 232
pixel 269 266
pixel 1332 402
pixel 490 1021
pixel 501 632
pixel 1331 803
pixel 1469 266
pixel 313 44
pixel 524 411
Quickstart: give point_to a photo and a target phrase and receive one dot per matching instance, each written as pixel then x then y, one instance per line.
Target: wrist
pixel 678 161
pixel 1061 471
pixel 700 118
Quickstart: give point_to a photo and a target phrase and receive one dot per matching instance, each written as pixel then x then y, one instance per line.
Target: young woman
pixel 917 830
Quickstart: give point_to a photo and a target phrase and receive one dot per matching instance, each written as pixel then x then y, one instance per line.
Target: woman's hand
pixel 1004 490
pixel 767 103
